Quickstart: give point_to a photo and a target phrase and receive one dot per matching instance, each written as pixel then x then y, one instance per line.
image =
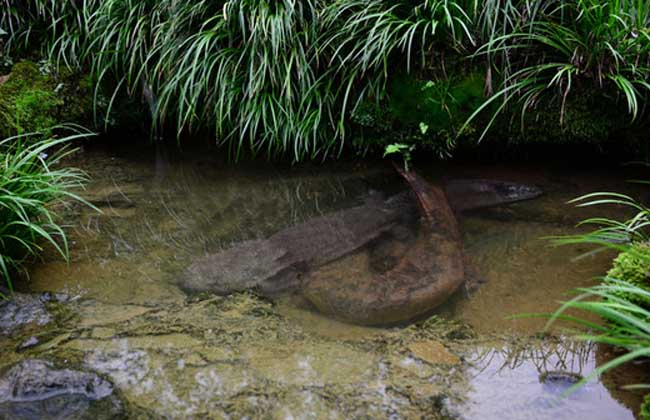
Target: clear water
pixel 177 356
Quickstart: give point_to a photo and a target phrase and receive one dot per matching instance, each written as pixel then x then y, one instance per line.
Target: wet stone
pixel 433 352
pixel 35 389
pixel 557 382
pixel 23 310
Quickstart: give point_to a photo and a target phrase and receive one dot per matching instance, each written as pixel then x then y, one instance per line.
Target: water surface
pixel 174 355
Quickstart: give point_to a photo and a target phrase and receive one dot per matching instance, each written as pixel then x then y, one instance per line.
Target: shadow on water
pixel 179 356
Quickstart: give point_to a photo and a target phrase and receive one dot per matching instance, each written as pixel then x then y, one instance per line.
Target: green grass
pixel 622 303
pixel 284 77
pixel 280 77
pixel 32 185
pixel 626 323
pixel 568 47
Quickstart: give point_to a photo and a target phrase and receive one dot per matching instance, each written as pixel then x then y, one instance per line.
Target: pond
pixel 176 355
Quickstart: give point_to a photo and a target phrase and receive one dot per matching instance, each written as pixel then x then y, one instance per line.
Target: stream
pixel 118 310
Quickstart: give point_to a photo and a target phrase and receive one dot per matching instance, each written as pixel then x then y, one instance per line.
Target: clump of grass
pixel 611 233
pixel 276 77
pixel 284 77
pixel 555 50
pixel 627 323
pixel 622 303
pixel 32 183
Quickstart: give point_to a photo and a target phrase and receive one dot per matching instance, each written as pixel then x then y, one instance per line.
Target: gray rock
pixel 34 389
pixel 22 310
pixel 33 380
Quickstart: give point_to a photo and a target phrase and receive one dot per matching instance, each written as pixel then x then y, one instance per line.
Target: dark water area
pixel 175 355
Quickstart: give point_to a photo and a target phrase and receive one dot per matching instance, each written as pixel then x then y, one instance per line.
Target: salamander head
pixel 476 193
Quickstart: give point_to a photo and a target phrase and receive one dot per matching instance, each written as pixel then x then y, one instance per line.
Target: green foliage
pixel 32 184
pixel 288 77
pixel 422 114
pixel 612 233
pixel 404 150
pixel 443 105
pixel 571 46
pixel 27 101
pixel 623 298
pixel 627 323
pixel 588 119
pixel 6 61
pixel 281 77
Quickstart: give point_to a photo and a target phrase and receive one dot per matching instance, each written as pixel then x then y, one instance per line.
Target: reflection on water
pixel 528 381
pixel 135 325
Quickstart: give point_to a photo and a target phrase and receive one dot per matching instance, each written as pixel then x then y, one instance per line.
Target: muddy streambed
pixel 170 355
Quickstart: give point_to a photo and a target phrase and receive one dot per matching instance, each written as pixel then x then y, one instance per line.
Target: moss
pixel 645 409
pixel 27 101
pixel 631 267
pixel 34 99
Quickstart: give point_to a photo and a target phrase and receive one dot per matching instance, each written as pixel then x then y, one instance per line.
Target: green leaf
pixel 396 148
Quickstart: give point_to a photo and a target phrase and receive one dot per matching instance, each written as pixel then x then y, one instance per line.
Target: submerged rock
pixel 433 352
pixel 559 381
pixel 23 310
pixel 29 343
pixel 34 389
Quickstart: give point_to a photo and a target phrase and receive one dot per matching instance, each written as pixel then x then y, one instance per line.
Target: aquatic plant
pixel 32 185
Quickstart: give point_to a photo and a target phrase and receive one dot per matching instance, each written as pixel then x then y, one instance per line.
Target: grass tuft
pixel 32 184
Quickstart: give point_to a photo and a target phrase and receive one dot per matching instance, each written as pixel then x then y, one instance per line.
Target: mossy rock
pixel 645 409
pixel 34 99
pixel 633 267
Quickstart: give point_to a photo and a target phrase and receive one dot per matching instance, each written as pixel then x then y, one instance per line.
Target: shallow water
pixel 177 356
